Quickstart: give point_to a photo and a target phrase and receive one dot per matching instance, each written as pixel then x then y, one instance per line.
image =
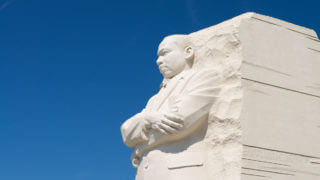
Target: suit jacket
pixel 183 155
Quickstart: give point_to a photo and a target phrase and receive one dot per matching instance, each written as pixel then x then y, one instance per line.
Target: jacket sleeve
pixel 193 106
pixel 133 131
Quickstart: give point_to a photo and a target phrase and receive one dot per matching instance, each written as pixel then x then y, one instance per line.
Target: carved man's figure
pixel 170 136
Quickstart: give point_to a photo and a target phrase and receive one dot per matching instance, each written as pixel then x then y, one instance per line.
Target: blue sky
pixel 71 71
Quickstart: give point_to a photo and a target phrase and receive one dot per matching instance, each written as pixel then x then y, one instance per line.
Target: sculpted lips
pixel 163 68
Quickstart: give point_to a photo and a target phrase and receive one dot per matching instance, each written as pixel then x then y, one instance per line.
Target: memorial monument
pixel 239 100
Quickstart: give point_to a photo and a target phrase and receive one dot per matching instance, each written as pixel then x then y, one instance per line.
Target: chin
pixel 167 75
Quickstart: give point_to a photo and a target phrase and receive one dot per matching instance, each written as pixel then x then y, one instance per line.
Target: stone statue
pixel 239 100
pixel 169 136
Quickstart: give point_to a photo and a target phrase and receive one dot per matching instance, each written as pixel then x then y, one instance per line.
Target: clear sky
pixel 72 71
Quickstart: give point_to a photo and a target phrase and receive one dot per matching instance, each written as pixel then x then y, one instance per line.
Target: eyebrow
pixel 161 51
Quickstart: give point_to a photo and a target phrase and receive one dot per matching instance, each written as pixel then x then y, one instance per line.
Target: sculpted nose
pixel 159 61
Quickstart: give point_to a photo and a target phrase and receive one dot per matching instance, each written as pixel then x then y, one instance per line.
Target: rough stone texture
pixel 219 47
pixel 265 121
pixel 280 118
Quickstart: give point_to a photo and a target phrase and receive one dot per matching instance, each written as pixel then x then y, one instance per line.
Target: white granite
pixel 239 100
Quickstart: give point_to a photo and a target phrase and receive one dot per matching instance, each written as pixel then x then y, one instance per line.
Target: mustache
pixel 163 68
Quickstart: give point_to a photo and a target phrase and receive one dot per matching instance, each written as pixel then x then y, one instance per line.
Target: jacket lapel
pixel 163 96
pixel 166 93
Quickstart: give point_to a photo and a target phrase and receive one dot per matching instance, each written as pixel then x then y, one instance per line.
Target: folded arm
pixel 133 131
pixel 192 106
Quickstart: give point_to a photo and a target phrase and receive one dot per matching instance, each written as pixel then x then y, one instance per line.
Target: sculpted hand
pixel 164 123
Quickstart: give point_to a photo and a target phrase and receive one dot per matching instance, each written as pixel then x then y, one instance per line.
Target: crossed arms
pixel 148 129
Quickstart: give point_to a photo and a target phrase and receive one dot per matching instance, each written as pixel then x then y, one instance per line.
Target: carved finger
pixel 172 124
pixel 146 128
pixel 174 117
pixel 158 128
pixel 154 126
pixel 168 128
pixel 162 131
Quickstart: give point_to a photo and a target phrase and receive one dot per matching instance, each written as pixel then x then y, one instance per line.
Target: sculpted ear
pixel 188 53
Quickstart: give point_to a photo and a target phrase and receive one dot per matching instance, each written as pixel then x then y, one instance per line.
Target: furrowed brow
pixel 160 51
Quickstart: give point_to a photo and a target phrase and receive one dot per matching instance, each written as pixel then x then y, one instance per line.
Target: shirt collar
pixel 179 76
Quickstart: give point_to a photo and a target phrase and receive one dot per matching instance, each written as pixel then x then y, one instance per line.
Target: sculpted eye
pixel 165 52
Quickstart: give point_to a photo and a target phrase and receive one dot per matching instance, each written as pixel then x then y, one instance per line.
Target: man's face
pixel 171 59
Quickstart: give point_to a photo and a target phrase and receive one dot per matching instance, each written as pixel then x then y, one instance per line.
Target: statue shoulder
pixel 205 74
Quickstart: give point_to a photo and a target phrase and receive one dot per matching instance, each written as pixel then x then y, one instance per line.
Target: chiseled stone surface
pixel 239 100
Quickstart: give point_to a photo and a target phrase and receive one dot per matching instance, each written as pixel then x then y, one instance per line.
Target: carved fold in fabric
pixel 190 159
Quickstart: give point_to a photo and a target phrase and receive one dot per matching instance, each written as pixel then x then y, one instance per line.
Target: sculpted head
pixel 175 54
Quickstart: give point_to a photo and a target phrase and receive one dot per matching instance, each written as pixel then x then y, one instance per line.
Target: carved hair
pixel 181 40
